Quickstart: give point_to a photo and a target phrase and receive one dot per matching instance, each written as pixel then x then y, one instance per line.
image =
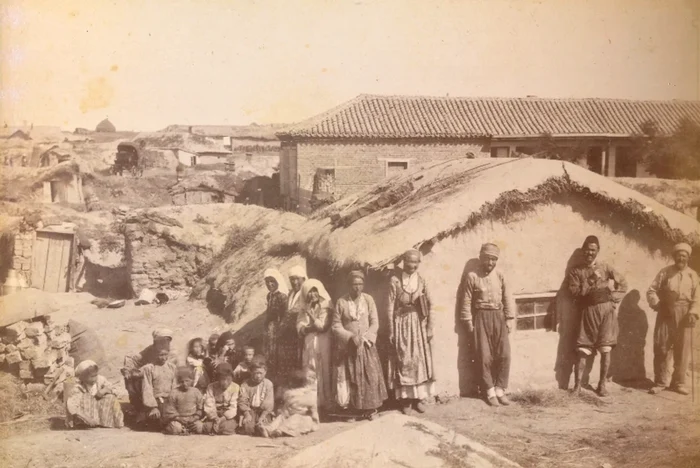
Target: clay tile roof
pixel 369 116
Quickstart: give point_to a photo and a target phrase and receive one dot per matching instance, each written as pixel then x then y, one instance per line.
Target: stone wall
pixel 36 351
pixel 157 258
pixel 22 256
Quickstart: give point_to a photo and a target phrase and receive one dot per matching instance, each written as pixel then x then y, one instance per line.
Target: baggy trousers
pixel 492 347
pixel 672 344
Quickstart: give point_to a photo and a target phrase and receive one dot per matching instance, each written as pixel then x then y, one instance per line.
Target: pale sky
pixel 147 64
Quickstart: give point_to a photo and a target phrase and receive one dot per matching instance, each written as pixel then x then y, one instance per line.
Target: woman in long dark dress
pixel 410 365
pixel 280 342
pixel 358 377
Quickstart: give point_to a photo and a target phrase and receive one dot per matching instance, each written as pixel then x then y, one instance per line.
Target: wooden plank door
pixel 51 262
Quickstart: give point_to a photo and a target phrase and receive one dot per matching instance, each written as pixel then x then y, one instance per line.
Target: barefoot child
pixel 242 371
pixel 182 412
pixel 196 356
pixel 257 399
pixel 92 402
pixel 158 382
pixel 299 413
pixel 221 403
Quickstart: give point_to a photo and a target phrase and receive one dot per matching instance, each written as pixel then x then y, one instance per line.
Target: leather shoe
pixel 493 401
pixel 504 400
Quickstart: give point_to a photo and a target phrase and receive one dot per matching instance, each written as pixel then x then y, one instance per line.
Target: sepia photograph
pixel 349 233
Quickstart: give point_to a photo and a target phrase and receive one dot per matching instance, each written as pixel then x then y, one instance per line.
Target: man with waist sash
pixel 487 311
pixel 674 296
pixel 597 289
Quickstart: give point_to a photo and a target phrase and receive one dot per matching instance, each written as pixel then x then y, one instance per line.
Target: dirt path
pixel 127 449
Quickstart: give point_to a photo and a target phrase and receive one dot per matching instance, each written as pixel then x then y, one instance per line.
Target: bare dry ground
pixel 544 428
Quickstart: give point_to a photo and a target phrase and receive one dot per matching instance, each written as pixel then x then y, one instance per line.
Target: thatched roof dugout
pixel 432 202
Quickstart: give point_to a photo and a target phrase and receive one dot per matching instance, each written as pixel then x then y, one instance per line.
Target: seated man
pixel 182 413
pixel 132 369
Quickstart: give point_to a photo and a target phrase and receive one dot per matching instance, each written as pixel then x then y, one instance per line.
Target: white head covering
pixel 281 283
pixel 162 333
pixel 297 271
pixel 311 283
pixel 683 247
pixel 83 366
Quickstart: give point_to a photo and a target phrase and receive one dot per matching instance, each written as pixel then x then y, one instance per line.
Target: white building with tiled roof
pixel 372 137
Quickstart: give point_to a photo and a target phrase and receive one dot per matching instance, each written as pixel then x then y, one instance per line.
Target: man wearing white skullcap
pixel 674 295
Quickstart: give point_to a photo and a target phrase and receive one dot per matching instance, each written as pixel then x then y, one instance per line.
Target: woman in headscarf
pixel 92 401
pixel 358 373
pixel 297 276
pixel 280 342
pixel 313 324
pixel 410 363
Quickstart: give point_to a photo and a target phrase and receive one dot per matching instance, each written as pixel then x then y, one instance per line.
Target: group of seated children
pixel 208 396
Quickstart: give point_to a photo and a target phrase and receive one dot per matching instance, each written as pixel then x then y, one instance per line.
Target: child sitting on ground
pixel 257 399
pixel 242 371
pixel 221 403
pixel 158 383
pixel 196 356
pixel 92 402
pixel 299 413
pixel 225 349
pixel 182 412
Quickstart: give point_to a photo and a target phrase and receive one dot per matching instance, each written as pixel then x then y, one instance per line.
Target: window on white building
pixel 500 152
pixel 534 311
pixel 395 167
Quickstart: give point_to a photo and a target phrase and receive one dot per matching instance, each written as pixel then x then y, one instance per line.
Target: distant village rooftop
pixel 373 116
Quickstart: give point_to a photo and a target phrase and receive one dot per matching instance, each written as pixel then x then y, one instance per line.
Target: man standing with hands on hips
pixel 674 296
pixel 597 289
pixel 487 311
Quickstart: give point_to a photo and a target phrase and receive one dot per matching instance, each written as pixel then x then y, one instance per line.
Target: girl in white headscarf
pixel 280 341
pixel 313 324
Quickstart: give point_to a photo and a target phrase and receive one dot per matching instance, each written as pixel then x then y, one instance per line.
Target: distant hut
pixel 53 156
pixel 105 127
pixel 19 134
pixel 61 183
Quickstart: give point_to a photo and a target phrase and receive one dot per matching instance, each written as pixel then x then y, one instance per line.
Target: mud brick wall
pixel 36 351
pixel 156 258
